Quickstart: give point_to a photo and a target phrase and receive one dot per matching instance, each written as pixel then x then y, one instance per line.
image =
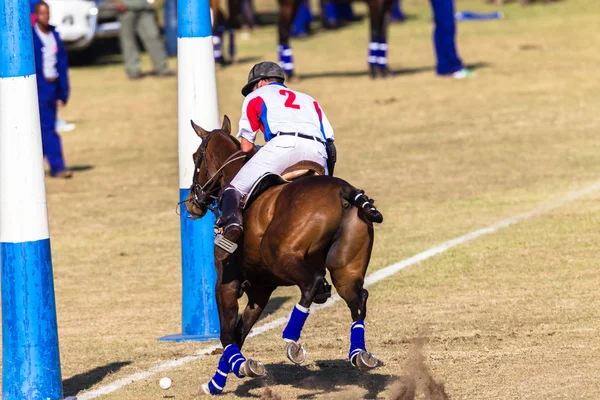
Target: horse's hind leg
pixel 232 360
pixel 287 12
pixel 347 262
pixel 377 59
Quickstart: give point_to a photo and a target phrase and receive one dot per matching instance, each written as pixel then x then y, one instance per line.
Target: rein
pixel 203 195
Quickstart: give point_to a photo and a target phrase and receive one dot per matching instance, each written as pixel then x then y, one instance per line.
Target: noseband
pixel 204 196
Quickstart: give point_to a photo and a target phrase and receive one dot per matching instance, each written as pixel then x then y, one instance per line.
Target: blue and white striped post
pixel 197 87
pixel 30 354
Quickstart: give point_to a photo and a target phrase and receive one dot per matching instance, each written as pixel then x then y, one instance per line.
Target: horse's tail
pixel 360 200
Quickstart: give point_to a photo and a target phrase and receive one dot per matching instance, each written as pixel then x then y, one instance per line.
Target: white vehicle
pixel 81 22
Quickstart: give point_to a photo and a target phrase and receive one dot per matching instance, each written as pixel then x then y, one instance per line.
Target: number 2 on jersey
pixel 291 96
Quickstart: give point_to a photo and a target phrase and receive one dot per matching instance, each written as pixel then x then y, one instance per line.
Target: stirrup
pixel 323 293
pixel 225 243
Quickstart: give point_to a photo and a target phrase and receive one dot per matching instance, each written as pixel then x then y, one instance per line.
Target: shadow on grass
pixel 365 72
pixel 86 380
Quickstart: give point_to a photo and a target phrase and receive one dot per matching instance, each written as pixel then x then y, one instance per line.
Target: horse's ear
pixel 199 131
pixel 226 127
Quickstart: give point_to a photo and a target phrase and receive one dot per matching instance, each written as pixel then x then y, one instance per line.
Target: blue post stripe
pixel 193 18
pixel 16 43
pixel 30 353
pixel 200 315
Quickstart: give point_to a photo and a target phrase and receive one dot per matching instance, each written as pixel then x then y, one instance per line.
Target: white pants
pixel 275 156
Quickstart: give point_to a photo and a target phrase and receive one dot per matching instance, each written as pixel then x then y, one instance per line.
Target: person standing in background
pixel 444 38
pixel 138 16
pixel 51 68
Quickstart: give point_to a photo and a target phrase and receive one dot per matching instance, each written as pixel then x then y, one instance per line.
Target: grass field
pixel 512 315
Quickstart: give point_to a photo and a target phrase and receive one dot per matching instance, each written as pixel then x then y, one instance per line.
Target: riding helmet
pixel 262 70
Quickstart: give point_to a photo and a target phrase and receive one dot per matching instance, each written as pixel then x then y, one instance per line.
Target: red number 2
pixel 291 96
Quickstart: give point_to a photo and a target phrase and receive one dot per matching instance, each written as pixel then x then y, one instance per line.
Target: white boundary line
pixel 369 280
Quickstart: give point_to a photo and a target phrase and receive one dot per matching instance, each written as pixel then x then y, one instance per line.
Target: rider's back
pixel 275 108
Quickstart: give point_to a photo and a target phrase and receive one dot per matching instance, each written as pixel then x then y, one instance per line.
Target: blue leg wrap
pixel 286 60
pixel 382 54
pixel 217 383
pixel 357 339
pixel 217 41
pixel 294 327
pixel 234 358
pixel 373 53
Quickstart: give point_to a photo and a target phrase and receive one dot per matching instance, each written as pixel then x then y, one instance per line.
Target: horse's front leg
pixel 232 360
pixel 287 12
pixel 309 286
pixel 234 22
pixel 258 297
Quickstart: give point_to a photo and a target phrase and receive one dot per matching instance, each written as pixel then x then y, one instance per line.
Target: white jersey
pixel 274 108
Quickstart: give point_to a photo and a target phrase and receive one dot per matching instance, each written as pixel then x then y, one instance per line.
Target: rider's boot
pixel 231 220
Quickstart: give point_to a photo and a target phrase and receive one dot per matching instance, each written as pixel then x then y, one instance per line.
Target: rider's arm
pixel 250 121
pixel 247 146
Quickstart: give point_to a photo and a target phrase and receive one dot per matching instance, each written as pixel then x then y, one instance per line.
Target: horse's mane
pixel 233 139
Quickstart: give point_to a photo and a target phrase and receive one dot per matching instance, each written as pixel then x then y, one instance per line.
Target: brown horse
pixel 293 232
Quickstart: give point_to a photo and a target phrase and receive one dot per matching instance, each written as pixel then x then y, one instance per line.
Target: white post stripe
pixel 200 104
pixel 23 212
pixel 370 280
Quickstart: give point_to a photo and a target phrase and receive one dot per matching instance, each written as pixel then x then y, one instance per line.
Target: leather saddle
pixel 269 179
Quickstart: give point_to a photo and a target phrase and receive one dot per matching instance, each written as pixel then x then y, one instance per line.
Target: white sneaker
pixel 64 126
pixel 463 73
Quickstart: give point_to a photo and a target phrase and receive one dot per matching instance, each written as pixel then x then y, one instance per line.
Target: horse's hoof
pixel 366 360
pixel 296 353
pixel 253 369
pixel 204 389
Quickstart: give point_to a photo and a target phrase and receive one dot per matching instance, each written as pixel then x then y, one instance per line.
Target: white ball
pixel 165 383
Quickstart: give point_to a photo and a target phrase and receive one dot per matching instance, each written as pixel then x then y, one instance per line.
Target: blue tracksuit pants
pixel 444 35
pixel 51 143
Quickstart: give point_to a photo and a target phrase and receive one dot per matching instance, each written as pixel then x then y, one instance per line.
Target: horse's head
pixel 216 161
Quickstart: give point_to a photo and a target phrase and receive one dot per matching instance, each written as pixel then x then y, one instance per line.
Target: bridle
pixel 205 196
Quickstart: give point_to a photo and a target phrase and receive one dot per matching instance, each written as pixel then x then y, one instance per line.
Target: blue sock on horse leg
pixel 373 53
pixel 217 46
pixel 296 323
pixel 382 54
pixel 217 383
pixel 286 60
pixel 234 358
pixel 357 339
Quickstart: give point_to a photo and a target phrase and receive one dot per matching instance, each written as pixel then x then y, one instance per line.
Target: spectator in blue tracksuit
pixel 444 35
pixel 52 84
